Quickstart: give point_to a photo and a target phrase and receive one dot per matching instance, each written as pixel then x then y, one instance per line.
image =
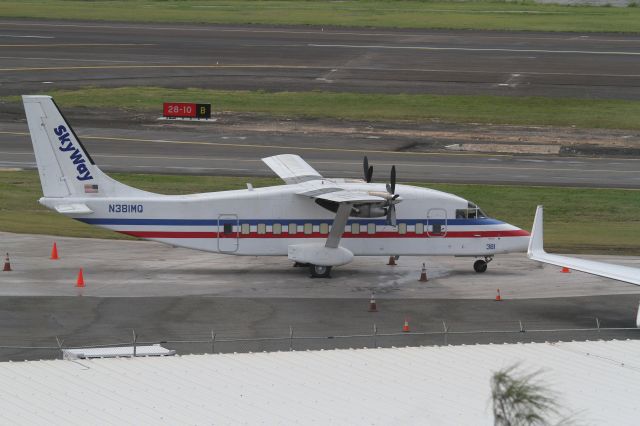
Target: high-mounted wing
pixel 536 252
pixel 291 168
pixel 339 195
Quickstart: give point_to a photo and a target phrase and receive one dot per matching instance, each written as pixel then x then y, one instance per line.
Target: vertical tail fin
pixel 66 168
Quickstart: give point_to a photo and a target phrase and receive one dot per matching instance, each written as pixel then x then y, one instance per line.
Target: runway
pixel 37 55
pixel 212 149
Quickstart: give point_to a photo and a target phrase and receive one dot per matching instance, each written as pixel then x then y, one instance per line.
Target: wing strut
pixel 339 223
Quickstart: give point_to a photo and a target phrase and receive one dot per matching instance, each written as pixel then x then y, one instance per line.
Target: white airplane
pixel 313 220
pixel 536 252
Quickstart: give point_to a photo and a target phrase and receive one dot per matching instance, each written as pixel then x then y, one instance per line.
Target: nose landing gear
pixel 481 265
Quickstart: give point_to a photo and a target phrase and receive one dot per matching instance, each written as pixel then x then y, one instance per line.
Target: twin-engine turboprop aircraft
pixel 312 220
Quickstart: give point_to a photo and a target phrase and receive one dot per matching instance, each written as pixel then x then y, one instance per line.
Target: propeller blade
pixel 393 180
pixel 365 167
pixel 391 215
pixel 370 174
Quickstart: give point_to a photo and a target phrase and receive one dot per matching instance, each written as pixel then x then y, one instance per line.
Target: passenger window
pixel 355 228
pixel 277 228
pixel 324 228
pixel 262 228
pixel 308 228
pixel 227 228
pixel 371 228
pixel 419 228
pixel 437 228
pixel 246 228
pixel 292 228
pixel 402 228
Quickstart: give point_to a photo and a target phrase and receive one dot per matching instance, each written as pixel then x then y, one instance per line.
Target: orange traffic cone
pixel 565 270
pixel 54 252
pixel 80 280
pixel 7 264
pixel 392 261
pixel 372 303
pixel 498 298
pixel 405 327
pixel 423 274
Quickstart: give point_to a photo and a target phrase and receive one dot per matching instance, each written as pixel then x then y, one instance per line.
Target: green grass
pixel 584 113
pixel 576 220
pixel 487 15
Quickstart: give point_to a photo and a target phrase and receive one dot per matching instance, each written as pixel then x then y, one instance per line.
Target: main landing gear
pixel 481 265
pixel 319 271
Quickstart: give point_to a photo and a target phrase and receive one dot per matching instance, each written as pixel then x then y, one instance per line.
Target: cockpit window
pixel 471 212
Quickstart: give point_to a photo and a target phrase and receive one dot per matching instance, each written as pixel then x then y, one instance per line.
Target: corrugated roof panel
pixel 599 381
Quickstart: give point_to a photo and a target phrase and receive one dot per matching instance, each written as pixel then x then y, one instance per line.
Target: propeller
pixel 391 203
pixel 368 170
pixel 390 196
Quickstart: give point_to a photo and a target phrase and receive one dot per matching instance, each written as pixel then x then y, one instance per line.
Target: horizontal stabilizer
pixel 291 168
pixel 536 252
pixel 73 209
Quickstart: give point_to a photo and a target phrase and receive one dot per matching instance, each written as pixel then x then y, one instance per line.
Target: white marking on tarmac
pixel 77 45
pixel 23 36
pixel 511 82
pixel 67 59
pixel 326 78
pixel 474 49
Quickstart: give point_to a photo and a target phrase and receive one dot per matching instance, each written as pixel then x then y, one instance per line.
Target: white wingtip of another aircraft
pixel 536 252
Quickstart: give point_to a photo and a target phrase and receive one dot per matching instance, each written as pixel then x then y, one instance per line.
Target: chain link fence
pixel 213 343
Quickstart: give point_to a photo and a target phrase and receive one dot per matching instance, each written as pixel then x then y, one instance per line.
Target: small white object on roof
pixel 116 352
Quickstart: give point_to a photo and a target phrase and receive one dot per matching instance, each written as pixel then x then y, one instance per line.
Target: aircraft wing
pixel 292 168
pixel 339 195
pixel 536 252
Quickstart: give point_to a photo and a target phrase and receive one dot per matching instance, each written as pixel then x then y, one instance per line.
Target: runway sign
pixel 186 110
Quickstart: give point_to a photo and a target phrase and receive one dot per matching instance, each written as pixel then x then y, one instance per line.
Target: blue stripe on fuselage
pixel 214 222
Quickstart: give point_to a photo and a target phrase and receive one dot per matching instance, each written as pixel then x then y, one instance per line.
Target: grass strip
pixel 577 220
pixel 583 113
pixel 478 14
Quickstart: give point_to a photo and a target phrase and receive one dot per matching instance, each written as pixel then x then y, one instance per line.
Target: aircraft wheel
pixel 319 271
pixel 480 266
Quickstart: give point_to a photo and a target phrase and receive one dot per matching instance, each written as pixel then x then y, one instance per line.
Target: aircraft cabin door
pixel 437 223
pixel 228 233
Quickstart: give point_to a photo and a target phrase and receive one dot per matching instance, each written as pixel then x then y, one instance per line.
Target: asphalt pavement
pixel 37 55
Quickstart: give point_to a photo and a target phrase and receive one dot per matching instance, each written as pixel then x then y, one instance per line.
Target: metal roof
pixel 598 382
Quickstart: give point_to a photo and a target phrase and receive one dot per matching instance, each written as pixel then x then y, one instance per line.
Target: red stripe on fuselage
pixel 450 234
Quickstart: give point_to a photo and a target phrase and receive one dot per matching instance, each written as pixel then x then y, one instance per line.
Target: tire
pixel 319 271
pixel 480 266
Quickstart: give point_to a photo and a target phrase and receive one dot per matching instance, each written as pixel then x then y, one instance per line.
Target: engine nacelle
pixel 368 210
pixel 318 254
